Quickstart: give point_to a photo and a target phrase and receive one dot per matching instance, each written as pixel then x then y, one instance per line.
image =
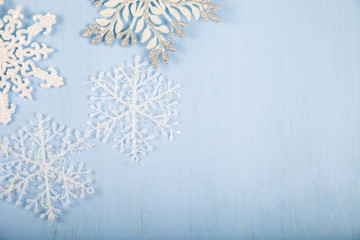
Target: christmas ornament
pixel 37 167
pixel 130 104
pixel 150 21
pixel 18 54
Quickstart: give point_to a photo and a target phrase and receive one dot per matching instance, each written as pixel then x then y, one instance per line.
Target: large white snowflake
pixel 18 54
pixel 35 166
pixel 153 19
pixel 130 104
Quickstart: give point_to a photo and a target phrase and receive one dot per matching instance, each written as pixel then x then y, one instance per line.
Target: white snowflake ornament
pixel 18 54
pixel 153 20
pixel 35 167
pixel 130 104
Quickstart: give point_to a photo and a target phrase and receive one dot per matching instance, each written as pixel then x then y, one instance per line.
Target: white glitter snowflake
pixel 130 104
pixel 35 166
pixel 18 54
pixel 153 19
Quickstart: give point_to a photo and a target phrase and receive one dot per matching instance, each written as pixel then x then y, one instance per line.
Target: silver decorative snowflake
pixel 130 104
pixel 18 54
pixel 35 166
pixel 153 19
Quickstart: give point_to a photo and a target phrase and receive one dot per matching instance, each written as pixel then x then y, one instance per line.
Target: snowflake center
pixel 133 108
pixel 45 167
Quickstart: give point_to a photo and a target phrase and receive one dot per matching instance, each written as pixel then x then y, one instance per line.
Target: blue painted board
pixel 270 143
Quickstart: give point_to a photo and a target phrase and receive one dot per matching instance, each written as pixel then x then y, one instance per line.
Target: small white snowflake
pixel 18 54
pixel 35 166
pixel 130 104
pixel 153 19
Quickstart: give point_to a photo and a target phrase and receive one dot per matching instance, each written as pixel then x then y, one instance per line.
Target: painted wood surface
pixel 270 143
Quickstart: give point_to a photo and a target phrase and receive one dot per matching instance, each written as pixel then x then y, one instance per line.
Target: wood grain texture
pixel 270 143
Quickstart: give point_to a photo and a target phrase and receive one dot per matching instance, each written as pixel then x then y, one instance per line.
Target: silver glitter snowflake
pixel 130 104
pixel 35 167
pixel 18 54
pixel 154 20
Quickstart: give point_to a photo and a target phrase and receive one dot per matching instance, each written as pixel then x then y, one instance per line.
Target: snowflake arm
pixel 18 55
pixel 154 20
pixel 34 167
pixel 130 104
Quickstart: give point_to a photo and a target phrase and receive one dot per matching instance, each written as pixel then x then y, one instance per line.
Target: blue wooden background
pixel 270 143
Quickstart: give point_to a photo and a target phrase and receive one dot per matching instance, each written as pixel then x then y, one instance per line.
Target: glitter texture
pixel 130 104
pixel 152 20
pixel 18 54
pixel 35 167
